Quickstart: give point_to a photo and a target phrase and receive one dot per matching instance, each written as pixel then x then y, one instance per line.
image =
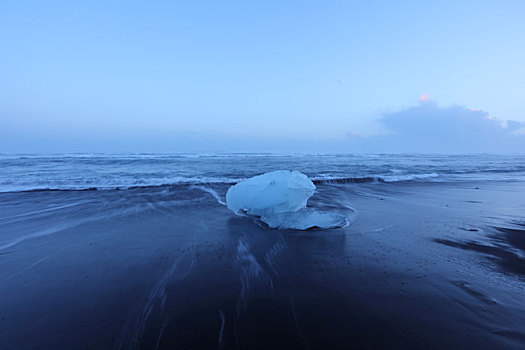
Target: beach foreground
pixel 423 265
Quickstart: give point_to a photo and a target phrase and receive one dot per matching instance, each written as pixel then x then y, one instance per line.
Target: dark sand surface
pixel 422 266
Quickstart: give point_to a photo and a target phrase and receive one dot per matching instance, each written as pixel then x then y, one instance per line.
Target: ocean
pixel 108 172
pixel 138 251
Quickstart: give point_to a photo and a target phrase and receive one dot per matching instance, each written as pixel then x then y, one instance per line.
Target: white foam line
pixel 60 228
pixel 45 210
pixel 39 234
pixel 38 262
pixel 29 267
pixel 210 191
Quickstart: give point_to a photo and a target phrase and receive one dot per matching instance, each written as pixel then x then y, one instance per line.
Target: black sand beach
pixel 421 266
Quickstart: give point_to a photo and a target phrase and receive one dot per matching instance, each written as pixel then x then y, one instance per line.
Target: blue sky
pixel 121 76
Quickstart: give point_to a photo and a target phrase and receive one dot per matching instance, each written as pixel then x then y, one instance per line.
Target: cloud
pixel 424 98
pixel 351 134
pixel 433 129
pixel 519 131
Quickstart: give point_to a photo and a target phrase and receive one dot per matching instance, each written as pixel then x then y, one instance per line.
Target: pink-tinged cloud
pixel 423 98
pixel 428 128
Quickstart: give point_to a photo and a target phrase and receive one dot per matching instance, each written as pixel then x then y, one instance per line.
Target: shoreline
pixel 421 265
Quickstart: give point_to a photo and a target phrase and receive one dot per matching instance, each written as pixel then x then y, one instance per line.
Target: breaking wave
pixel 199 183
pixel 96 172
pixel 382 179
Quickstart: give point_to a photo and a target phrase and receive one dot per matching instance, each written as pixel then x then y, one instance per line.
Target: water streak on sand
pixel 42 233
pixel 273 253
pixel 133 331
pixel 250 273
pixel 24 215
pixel 298 330
pixel 221 331
pixel 161 331
pixel 60 227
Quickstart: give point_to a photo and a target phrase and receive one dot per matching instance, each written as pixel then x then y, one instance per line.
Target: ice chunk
pixel 305 219
pixel 279 199
pixel 275 192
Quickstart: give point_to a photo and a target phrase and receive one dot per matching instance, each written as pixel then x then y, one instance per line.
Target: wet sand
pixel 421 266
